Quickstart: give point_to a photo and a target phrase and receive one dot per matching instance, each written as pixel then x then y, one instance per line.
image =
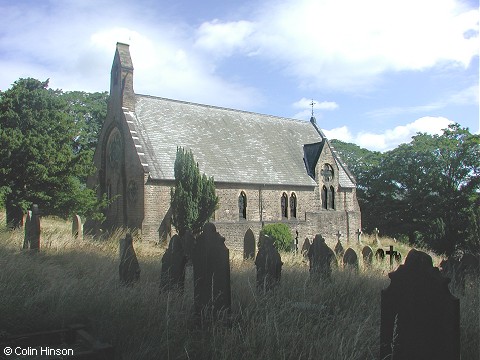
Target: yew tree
pixel 193 200
pixel 41 157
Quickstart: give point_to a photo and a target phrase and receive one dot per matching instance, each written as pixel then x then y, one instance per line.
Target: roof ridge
pixel 224 108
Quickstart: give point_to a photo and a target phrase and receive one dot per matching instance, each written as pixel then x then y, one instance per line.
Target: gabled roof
pixel 230 145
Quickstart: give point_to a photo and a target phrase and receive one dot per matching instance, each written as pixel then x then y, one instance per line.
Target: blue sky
pixel 378 70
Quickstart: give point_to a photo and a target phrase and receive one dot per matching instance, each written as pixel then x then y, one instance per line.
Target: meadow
pixel 76 281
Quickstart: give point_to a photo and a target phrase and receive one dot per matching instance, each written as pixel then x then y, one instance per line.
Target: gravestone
pixel 420 318
pixel 380 254
pixel 32 229
pixel 459 268
pixel 367 254
pixel 338 247
pixel 77 228
pixel 376 232
pixel 211 273
pixel 350 259
pixel 129 268
pixel 359 233
pixel 174 262
pixel 305 247
pixel 339 251
pixel 394 255
pixel 268 263
pixel 249 245
pixel 321 258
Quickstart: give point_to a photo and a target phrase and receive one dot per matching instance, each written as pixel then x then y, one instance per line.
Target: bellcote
pixel 121 77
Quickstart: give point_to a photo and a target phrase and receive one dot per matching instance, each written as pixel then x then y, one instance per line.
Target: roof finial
pixel 312 119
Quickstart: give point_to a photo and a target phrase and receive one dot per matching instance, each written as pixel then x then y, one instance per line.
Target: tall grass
pixel 76 281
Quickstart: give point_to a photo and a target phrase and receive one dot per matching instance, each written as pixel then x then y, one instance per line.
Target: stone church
pixel 267 169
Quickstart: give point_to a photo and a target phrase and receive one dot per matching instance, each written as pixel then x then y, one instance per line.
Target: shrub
pixel 282 237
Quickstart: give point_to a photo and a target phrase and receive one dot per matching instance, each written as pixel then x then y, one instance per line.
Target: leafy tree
pixel 427 190
pixel 41 158
pixel 193 199
pixel 281 235
pixel 88 111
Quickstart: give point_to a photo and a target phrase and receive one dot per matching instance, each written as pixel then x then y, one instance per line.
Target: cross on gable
pixel 339 234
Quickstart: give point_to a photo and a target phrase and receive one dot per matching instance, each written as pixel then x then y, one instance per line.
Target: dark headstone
pixel 268 263
pixel 420 318
pixel 306 247
pixel 77 230
pixel 32 229
pixel 339 248
pixel 397 257
pixel 322 258
pixel 249 245
pixel 174 262
pixel 458 268
pixel 211 273
pixel 393 255
pixel 367 254
pixel 350 259
pixel 129 269
pixel 380 254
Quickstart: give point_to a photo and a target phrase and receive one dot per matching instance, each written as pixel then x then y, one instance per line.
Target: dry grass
pixel 76 281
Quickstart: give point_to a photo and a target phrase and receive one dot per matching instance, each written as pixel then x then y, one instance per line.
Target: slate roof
pixel 230 145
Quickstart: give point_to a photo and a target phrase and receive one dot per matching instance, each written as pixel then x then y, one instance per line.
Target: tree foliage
pixel 281 235
pixel 427 190
pixel 193 200
pixel 45 152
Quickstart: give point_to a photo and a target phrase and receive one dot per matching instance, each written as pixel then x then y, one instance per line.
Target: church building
pixel 267 169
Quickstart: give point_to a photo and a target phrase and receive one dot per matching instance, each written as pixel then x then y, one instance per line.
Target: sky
pixel 378 71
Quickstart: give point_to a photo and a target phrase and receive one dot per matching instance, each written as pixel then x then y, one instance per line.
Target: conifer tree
pixel 193 199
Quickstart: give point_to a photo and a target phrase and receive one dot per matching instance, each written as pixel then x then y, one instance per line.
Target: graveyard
pixel 76 280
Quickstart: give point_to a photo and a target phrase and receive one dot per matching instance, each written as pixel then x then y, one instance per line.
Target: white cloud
pixel 341 133
pixel 223 38
pixel 347 45
pixel 467 96
pixel 321 105
pixel 391 138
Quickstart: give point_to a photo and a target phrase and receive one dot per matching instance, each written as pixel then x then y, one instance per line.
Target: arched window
pixel 324 197
pixel 284 204
pixel 293 206
pixel 242 206
pixel 332 198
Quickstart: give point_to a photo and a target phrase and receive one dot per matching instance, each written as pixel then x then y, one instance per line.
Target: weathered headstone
pixel 376 232
pixel 380 254
pixel 367 254
pixel 32 229
pixel 268 263
pixel 459 268
pixel 129 268
pixel 394 255
pixel 350 259
pixel 339 251
pixel 77 228
pixel 359 233
pixel 173 266
pixel 322 258
pixel 249 245
pixel 211 273
pixel 305 247
pixel 420 318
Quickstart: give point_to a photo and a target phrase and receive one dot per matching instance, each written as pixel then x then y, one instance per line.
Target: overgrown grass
pixel 76 281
